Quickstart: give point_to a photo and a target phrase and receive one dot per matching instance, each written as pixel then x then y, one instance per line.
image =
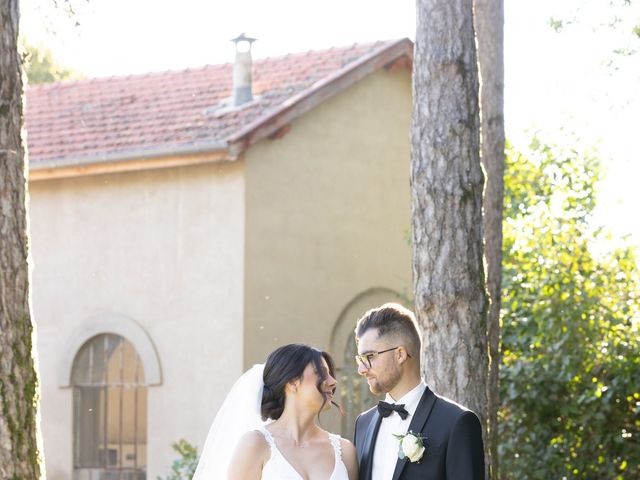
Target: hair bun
pixel 272 404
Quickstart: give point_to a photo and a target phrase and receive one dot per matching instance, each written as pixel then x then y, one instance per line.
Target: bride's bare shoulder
pixel 350 458
pixel 253 445
pixel 253 440
pixel 347 446
pixel 249 457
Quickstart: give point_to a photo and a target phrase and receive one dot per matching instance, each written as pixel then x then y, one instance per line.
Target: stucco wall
pixel 328 214
pixel 163 248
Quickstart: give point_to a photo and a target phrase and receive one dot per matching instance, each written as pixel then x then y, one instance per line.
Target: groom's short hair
pixel 392 319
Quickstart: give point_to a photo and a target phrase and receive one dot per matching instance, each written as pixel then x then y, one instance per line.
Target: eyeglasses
pixel 365 358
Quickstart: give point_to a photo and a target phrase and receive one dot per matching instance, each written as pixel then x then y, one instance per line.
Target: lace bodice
pixel 277 467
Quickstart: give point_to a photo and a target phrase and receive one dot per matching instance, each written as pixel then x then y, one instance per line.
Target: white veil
pixel 239 413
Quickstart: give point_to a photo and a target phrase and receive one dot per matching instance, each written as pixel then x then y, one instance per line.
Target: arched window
pixel 109 411
pixel 355 396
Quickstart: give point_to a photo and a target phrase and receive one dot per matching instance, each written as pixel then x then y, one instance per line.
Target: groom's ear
pixel 402 354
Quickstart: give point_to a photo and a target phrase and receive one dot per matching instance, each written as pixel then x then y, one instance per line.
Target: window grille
pixel 109 411
pixel 355 396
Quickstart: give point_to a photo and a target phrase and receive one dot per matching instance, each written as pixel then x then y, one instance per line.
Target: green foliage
pixel 618 17
pixel 185 466
pixel 41 67
pixel 556 24
pixel 570 388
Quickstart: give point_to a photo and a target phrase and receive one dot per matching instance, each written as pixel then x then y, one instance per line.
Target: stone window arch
pixel 112 364
pixel 354 394
pixel 118 325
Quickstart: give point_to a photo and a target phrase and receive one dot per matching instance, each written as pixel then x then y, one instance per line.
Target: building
pixel 183 227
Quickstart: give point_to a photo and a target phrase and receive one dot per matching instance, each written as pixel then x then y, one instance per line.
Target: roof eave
pixel 322 90
pixel 133 160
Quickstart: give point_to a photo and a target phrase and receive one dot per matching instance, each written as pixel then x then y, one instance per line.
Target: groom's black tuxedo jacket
pixel 454 449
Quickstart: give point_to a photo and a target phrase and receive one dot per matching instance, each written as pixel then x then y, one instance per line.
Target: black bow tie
pixel 385 409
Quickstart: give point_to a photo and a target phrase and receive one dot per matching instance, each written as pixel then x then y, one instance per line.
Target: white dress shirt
pixel 385 454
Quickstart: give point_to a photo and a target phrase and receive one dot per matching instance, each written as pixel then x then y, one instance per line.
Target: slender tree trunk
pixel 447 182
pixel 19 458
pixel 489 23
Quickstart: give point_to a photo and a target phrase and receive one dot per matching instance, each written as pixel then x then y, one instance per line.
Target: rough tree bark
pixel 446 183
pixel 19 458
pixel 489 23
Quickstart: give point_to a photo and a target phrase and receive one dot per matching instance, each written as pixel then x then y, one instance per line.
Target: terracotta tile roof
pixel 105 117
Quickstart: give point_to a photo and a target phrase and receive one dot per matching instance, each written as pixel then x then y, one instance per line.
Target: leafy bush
pixel 570 379
pixel 184 467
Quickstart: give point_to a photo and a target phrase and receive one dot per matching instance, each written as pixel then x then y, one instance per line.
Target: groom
pixel 389 358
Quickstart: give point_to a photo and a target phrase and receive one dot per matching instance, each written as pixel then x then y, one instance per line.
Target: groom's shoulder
pixel 446 406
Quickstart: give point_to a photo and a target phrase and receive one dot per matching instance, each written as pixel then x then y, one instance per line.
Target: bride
pixel 267 427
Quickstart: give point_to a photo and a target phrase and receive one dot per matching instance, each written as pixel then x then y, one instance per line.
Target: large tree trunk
pixel 18 380
pixel 489 23
pixel 447 181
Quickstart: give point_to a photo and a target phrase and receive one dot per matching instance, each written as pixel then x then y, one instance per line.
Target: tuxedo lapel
pixel 366 465
pixel 417 424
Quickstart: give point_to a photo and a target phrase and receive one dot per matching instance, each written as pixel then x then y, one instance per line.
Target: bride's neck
pixel 296 425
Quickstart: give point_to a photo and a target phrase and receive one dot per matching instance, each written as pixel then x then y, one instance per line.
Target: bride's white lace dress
pixel 277 467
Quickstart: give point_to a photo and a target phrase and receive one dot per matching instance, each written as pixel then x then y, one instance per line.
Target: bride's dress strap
pixel 337 445
pixel 267 436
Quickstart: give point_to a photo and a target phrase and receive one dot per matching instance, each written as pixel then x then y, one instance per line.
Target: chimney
pixel 242 70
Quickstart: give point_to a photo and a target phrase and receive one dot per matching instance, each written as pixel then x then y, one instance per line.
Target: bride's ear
pixel 292 386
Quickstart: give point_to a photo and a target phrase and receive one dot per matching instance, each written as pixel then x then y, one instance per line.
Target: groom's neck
pixel 408 382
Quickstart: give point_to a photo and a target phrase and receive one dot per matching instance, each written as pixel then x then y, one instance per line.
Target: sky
pixel 569 85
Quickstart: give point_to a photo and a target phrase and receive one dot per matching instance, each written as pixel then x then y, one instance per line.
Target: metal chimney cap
pixel 243 38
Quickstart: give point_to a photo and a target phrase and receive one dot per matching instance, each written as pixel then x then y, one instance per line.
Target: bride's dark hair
pixel 286 364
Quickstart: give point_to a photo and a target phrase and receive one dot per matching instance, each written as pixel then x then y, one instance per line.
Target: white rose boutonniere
pixel 411 446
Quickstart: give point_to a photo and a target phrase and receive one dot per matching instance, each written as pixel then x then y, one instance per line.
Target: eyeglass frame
pixel 371 355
